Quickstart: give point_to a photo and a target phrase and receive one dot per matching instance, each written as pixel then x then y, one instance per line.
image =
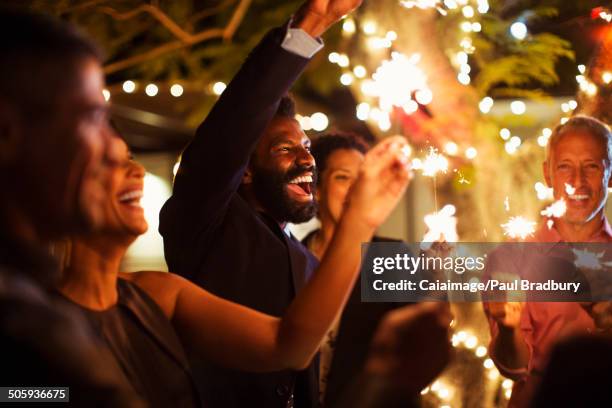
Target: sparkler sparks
pixel 434 163
pixel 519 227
pixel 586 259
pixel 441 225
pixel 507 203
pixel 556 209
pixel 569 189
pixel 396 80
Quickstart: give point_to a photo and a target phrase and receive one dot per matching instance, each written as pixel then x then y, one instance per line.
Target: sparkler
pixel 395 81
pixel 556 209
pixel 519 227
pixel 434 163
pixel 441 225
pixel 586 259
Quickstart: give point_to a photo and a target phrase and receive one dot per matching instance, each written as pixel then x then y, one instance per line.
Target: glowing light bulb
pixel 176 90
pixel 129 86
pixel 360 71
pixel 518 30
pixel 319 121
pixel 518 107
pixel 151 90
pixel 218 88
pixel 348 26
pixel 346 79
pixel 451 148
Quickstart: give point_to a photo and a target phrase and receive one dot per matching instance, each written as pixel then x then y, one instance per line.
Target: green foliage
pixel 512 68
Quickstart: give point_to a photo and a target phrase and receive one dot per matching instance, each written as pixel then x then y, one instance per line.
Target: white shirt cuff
pixel 298 42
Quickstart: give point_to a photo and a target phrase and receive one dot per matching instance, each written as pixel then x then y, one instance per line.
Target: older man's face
pixel 579 160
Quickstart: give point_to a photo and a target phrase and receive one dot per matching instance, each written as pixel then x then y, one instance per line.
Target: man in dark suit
pixel 245 175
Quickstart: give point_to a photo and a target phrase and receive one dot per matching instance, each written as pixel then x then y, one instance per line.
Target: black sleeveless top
pixel 146 348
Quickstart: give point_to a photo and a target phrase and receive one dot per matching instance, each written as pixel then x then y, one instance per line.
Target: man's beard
pixel 270 190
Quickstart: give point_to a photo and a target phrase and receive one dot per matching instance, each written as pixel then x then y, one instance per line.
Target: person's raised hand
pixel 507 314
pixel 316 16
pixel 383 178
pixel 411 346
pixel 601 312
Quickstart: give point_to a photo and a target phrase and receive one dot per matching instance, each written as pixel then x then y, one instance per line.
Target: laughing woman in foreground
pixel 144 318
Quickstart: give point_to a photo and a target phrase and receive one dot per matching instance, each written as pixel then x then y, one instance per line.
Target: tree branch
pixel 184 39
pixel 158 51
pixel 209 12
pixel 236 19
pixel 156 13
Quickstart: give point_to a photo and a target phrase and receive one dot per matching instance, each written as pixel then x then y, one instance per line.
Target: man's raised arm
pixel 213 164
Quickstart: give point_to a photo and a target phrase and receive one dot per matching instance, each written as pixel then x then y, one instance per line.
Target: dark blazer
pixel 213 237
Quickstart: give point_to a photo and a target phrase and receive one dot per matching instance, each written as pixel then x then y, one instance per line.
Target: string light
pixel 360 71
pixel 391 36
pixel 505 133
pixel 176 90
pixel 518 107
pixel 346 79
pixel 471 153
pixel 348 26
pixel 486 104
pixel 151 90
pixel 518 30
pixel 369 27
pixel 218 88
pixel 451 148
pixel 129 86
pixel 319 121
pixel 468 11
pixel 343 60
pixel 363 111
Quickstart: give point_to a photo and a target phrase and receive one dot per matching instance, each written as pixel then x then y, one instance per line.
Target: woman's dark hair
pixel 39 58
pixel 323 146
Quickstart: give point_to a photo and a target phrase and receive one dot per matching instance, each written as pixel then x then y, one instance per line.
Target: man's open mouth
pixel 301 185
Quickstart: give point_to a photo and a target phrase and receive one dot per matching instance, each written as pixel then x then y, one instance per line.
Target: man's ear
pixel 10 135
pixel 247 177
pixel 546 172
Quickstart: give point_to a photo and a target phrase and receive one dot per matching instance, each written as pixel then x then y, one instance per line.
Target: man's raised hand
pixel 316 16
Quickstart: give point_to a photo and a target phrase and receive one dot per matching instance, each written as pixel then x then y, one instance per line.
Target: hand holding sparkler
pixel 382 181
